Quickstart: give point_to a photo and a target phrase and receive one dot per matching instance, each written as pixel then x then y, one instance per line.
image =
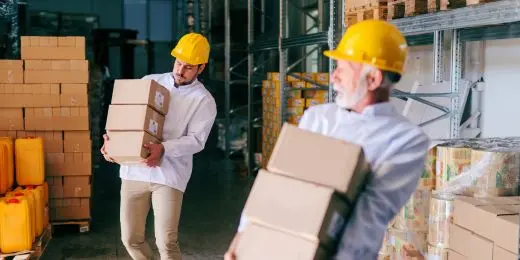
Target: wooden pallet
pixel 37 250
pixel 84 225
pixel 440 5
pixel 405 8
pixel 373 12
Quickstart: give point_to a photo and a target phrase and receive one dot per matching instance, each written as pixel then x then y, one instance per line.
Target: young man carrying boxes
pixel 188 111
pixel 370 61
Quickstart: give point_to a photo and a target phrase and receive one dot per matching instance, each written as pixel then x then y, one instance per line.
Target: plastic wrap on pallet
pixel 427 180
pixel 452 160
pixel 437 253
pixel 441 213
pixel 403 244
pixel 414 215
pixel 386 251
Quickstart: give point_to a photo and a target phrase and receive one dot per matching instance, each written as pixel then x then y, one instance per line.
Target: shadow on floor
pixel 211 208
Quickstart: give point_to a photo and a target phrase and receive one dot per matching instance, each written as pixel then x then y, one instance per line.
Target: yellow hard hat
pixel 373 42
pixel 192 48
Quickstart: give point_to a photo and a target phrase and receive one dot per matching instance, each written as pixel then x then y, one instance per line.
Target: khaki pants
pixel 136 197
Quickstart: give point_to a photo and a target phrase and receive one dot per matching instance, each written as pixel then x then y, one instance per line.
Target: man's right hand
pixel 230 254
pixel 103 149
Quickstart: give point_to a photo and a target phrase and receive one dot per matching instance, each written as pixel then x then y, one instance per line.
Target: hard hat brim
pixel 337 55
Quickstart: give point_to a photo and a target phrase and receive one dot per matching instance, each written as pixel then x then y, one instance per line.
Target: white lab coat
pixel 395 148
pixel 187 125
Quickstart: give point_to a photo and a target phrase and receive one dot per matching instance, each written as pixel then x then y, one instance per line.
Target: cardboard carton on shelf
pixel 68 164
pixel 299 207
pixel 143 118
pixel 141 92
pixel 57 118
pixel 341 165
pixel 11 119
pixel 56 71
pixel 29 95
pixel 74 95
pixel 127 147
pixel 259 243
pixel 77 142
pixel 53 48
pixel 70 209
pixel 11 71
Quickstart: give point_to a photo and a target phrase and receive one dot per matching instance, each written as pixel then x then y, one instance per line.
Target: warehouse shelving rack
pixel 489 21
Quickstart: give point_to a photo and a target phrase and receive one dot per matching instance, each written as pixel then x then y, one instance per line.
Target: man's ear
pixel 201 68
pixel 374 79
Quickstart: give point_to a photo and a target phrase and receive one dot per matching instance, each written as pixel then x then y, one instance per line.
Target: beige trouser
pixel 135 204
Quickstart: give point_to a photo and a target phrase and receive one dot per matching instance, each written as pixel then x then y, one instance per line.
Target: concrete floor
pixel 211 209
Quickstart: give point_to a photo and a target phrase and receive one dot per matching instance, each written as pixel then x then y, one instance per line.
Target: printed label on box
pixel 159 99
pixel 153 127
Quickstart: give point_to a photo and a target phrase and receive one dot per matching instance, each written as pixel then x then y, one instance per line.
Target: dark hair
pixel 390 78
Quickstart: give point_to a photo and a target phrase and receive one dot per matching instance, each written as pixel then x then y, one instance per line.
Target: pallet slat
pixel 84 225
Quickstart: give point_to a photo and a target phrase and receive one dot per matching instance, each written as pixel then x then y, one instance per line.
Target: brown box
pixel 56 71
pixel 470 213
pixel 127 147
pixel 260 243
pixel 11 71
pixel 294 155
pixel 74 95
pixel 52 48
pixel 452 255
pixel 298 207
pixel 11 119
pixel 71 187
pixel 507 232
pixel 77 142
pixel 143 118
pixel 52 140
pixel 502 254
pixel 64 118
pixel 469 244
pixel 11 134
pixel 141 92
pixel 70 209
pixel 68 164
pixel 29 95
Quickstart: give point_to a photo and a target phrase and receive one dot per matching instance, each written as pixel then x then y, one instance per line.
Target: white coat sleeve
pixel 197 131
pixel 392 184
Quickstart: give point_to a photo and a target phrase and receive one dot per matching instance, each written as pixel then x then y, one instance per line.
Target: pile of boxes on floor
pixel 299 206
pixel 466 206
pixel 136 117
pixel 301 94
pixel 44 105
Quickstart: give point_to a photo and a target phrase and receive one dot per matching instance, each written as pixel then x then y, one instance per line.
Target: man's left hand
pixel 156 152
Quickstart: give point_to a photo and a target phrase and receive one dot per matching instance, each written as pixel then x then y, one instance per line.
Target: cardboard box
pixel 261 243
pixel 144 118
pixel 74 95
pixel 502 254
pixel 321 84
pixel 469 244
pixel 64 118
pixel 507 232
pixel 52 140
pixel 127 147
pixel 52 48
pixel 11 119
pixel 56 71
pixel 470 213
pixel 320 94
pixel 323 77
pixel 141 92
pixel 11 134
pixel 298 84
pixel 452 255
pixel 314 102
pixel 296 102
pixel 11 71
pixel 341 165
pixel 77 142
pixel 298 207
pixel 29 95
pixel 70 209
pixel 68 164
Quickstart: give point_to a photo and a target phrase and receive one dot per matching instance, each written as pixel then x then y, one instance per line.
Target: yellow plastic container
pixel 29 157
pixel 6 164
pixel 38 193
pixel 29 196
pixel 15 222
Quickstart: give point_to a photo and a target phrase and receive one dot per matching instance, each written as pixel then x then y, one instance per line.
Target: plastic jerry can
pixel 32 208
pixel 37 191
pixel 29 161
pixel 15 222
pixel 6 164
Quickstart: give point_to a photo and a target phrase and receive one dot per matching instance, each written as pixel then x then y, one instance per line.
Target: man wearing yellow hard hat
pixel 161 184
pixel 370 61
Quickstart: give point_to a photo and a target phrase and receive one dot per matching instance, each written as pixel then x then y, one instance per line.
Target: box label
pixel 153 127
pixel 159 99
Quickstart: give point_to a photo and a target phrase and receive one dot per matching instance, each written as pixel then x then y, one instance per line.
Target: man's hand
pixel 230 254
pixel 154 157
pixel 104 151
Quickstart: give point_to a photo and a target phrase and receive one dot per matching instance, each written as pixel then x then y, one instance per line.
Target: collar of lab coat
pixel 379 109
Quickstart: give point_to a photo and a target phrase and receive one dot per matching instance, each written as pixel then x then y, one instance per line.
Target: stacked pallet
pixel 46 95
pixel 476 184
pixel 301 93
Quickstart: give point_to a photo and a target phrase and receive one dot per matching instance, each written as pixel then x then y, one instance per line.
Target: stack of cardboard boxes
pixel 135 117
pixel 46 95
pixel 300 96
pixel 299 206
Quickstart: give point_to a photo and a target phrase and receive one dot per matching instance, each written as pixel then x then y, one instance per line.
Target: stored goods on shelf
pixel 16 232
pixel 11 71
pixel 441 214
pixel 11 119
pixel 414 216
pixel 31 200
pixel 452 160
pixel 6 164
pixel 29 161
